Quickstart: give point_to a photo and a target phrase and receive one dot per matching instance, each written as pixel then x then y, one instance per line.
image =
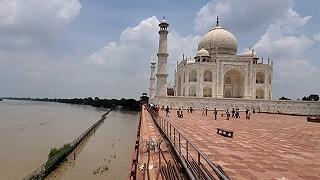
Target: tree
pixel 284 98
pixel 311 97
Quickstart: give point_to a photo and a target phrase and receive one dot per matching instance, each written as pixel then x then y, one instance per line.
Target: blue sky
pixel 79 48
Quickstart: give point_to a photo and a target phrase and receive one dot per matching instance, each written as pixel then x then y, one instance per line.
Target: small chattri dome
pixel 202 53
pixel 164 21
pixel 249 52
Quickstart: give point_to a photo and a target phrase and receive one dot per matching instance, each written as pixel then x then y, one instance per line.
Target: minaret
pixel 153 80
pixel 161 88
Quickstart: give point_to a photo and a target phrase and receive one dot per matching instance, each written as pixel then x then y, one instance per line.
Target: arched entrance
pixel 233 84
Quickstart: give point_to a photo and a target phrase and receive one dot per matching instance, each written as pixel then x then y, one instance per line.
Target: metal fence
pixel 196 164
pixel 135 155
pixel 46 168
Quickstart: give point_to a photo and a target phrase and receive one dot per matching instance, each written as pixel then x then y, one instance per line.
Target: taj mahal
pixel 219 77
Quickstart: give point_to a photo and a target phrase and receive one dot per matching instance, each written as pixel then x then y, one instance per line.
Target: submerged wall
pixel 272 106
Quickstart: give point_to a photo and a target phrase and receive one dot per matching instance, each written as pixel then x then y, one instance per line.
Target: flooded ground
pixel 29 129
pixel 106 154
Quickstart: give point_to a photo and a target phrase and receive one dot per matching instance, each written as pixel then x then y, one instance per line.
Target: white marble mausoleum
pixel 219 77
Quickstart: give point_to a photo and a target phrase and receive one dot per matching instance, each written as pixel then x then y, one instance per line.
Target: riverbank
pixel 123 104
pixel 61 153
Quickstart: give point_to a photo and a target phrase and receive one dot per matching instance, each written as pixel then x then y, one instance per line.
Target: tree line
pixel 311 97
pixel 125 104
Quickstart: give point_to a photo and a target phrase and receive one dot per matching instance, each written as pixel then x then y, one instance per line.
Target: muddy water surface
pixel 29 129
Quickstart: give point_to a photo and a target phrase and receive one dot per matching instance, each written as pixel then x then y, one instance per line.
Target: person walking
pixel 203 112
pixel 247 113
pixel 167 111
pixel 215 112
pixel 237 114
pixel 233 112
pixel 228 114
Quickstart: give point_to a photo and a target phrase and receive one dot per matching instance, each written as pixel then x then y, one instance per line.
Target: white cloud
pixel 130 58
pixel 294 69
pixel 23 22
pixel 287 46
pixel 274 43
pixel 243 16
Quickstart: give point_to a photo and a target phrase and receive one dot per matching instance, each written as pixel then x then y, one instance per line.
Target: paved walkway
pixel 267 146
pixel 149 132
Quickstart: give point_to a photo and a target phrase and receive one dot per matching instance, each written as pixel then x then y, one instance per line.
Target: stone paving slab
pixel 268 146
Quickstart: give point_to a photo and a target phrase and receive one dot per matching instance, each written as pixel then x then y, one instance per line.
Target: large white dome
pixel 220 40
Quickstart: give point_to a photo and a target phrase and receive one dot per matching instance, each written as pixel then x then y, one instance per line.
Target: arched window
pixel 207 76
pixel 259 93
pixel 260 77
pixel 207 91
pixel 228 80
pixel 193 76
pixel 192 91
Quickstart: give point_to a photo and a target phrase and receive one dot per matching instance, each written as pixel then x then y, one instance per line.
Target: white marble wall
pixel 272 106
pixel 219 67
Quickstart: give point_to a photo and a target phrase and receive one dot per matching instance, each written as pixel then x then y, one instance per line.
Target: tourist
pixel 188 109
pixel 167 111
pixel 233 112
pixel 248 114
pixel 181 114
pixel 215 112
pixel 237 114
pixel 193 109
pixel 228 114
pixel 178 112
pixel 203 112
pixel 206 111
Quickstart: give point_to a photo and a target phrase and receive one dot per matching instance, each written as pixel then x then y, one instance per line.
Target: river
pixel 29 129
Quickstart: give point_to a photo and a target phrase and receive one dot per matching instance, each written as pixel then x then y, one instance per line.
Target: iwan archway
pixel 233 84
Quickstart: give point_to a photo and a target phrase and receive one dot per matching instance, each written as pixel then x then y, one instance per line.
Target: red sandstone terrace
pixel 267 146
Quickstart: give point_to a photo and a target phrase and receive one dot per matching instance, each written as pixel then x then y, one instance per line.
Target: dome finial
pixel 217 21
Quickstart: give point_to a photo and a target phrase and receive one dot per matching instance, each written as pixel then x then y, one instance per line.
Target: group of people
pixel 155 108
pixel 205 111
pixel 235 113
pixel 190 109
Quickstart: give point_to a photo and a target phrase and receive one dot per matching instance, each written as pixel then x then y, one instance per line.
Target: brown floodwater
pixel 29 129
